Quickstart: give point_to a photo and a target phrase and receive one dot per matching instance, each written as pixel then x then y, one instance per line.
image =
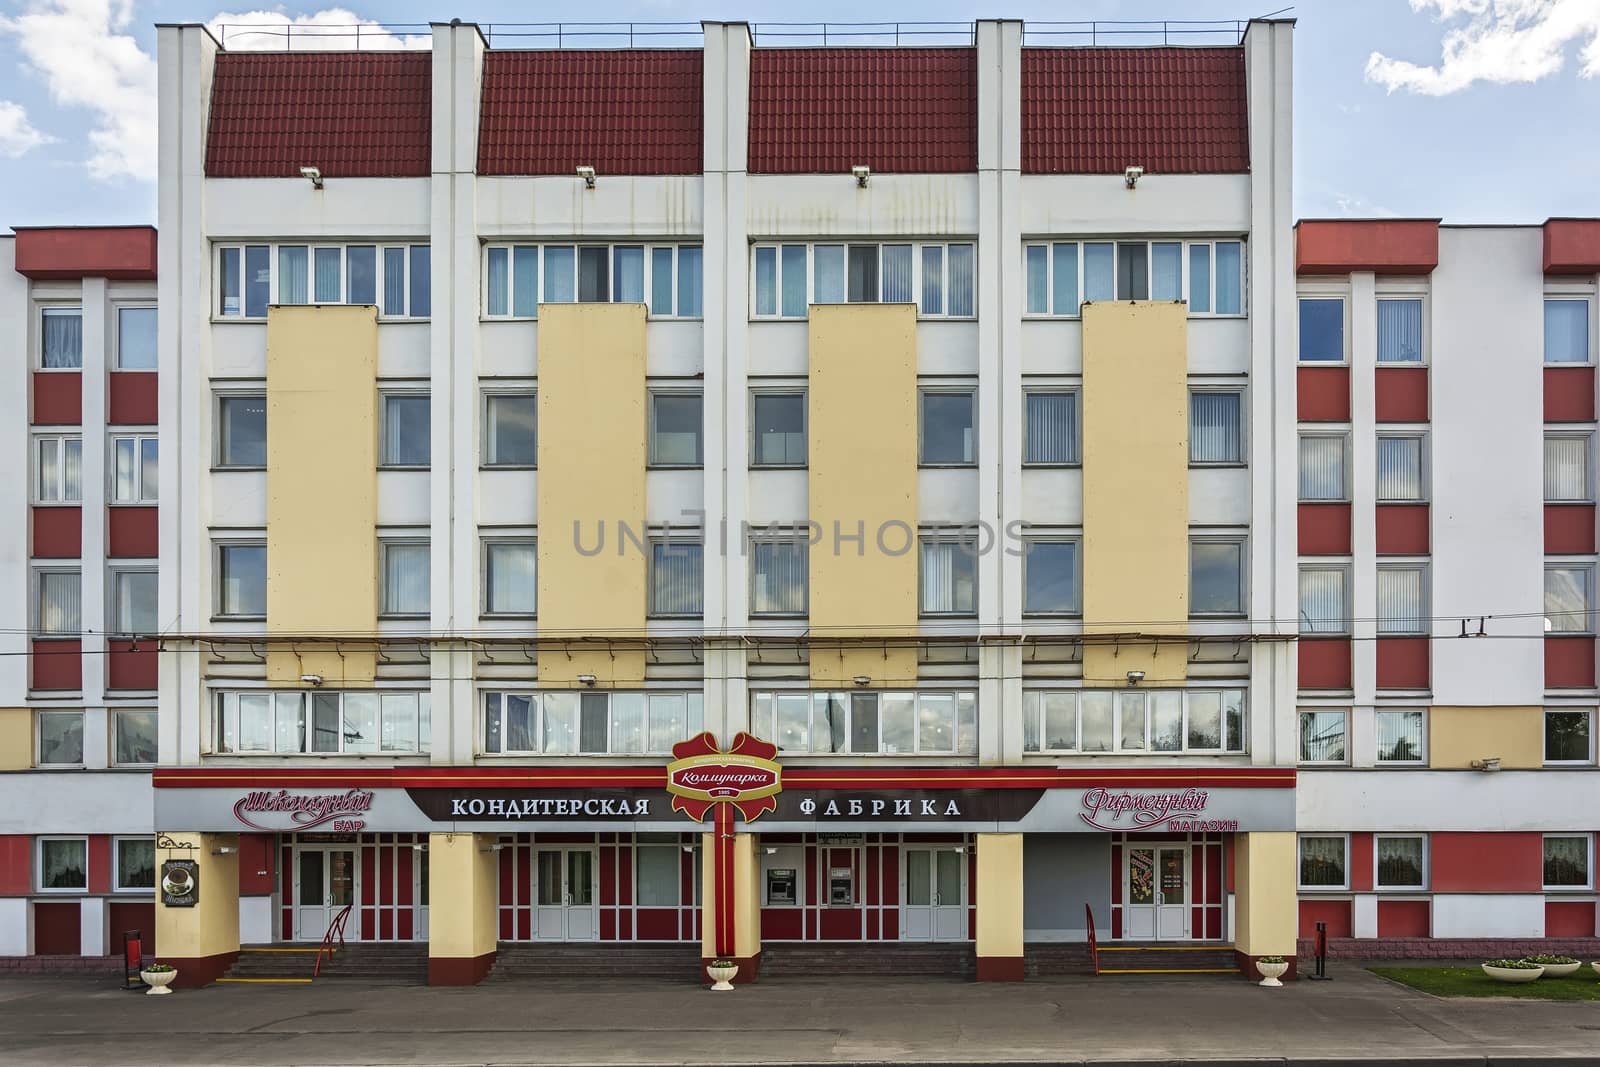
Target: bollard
pixel 1321 972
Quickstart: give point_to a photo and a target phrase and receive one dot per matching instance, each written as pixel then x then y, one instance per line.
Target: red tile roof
pixel 621 111
pixel 351 114
pixel 1168 110
pixel 896 110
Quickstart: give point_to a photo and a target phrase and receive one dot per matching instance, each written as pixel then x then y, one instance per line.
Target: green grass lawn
pixel 1472 982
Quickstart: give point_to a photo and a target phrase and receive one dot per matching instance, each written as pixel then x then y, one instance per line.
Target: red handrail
pixel 1094 946
pixel 326 948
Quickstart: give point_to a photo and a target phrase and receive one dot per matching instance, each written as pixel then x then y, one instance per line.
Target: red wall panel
pixel 119 252
pixel 1322 394
pixel 1569 394
pixel 1569 918
pixel 1360 863
pixel 99 863
pixel 132 665
pixel 57 532
pixel 1568 662
pixel 1486 862
pixel 1404 918
pixel 56 929
pixel 57 664
pixel 1384 246
pixel 1571 246
pixel 1568 529
pixel 1336 913
pixel 1325 663
pixel 57 398
pixel 255 865
pixel 841 924
pixel 1400 394
pixel 781 924
pixel 132 398
pixel 133 533
pixel 124 915
pixel 1403 662
pixel 1402 529
pixel 661 924
pixel 16 865
pixel 1324 529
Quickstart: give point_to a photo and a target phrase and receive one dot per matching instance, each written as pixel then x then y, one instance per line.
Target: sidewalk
pixel 1067 1021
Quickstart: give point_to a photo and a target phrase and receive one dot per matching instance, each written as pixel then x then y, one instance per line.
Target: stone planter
pixel 1271 972
pixel 722 977
pixel 158 981
pixel 1560 970
pixel 1513 974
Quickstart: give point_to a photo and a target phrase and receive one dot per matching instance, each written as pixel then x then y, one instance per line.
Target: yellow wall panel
pixel 211 927
pixel 999 895
pixel 1457 736
pixel 863 475
pixel 1135 487
pixel 16 739
pixel 592 427
pixel 322 487
pixel 462 869
pixel 1266 907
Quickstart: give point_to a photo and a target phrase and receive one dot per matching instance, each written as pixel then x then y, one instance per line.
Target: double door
pixel 1156 888
pixel 325 883
pixel 935 894
pixel 564 894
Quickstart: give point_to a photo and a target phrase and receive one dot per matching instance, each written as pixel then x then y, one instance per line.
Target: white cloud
pixel 273 31
pixel 17 134
pixel 1497 41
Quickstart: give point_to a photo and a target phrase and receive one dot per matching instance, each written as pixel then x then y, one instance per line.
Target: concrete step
pixel 528 962
pixel 1167 958
pixel 405 961
pixel 884 959
pixel 1053 959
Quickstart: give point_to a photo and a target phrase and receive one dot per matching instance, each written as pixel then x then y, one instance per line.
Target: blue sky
pixel 1470 110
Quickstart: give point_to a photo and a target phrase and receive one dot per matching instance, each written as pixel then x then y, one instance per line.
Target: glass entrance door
pixel 1156 888
pixel 935 895
pixel 324 884
pixel 564 894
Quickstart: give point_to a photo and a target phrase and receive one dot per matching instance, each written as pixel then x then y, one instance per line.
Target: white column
pixel 16 474
pixel 1361 475
pixel 92 926
pixel 1364 922
pixel 92 556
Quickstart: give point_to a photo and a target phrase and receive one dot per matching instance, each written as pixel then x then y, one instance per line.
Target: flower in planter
pixel 1546 960
pixel 159 968
pixel 1269 959
pixel 1513 965
pixel 723 963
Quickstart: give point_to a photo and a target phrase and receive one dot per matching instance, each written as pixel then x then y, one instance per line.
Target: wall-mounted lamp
pixel 861 174
pixel 587 174
pixel 496 847
pixel 311 679
pixel 1488 765
pixel 224 850
pixel 587 679
pixel 688 848
pixel 419 847
pixel 960 850
pixel 1131 175
pixel 771 851
pixel 313 175
pixel 862 679
pixel 1135 677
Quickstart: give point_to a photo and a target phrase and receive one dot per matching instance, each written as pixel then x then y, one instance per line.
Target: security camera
pixel 313 175
pixel 311 679
pixel 587 174
pixel 862 175
pixel 1132 175
pixel 1135 677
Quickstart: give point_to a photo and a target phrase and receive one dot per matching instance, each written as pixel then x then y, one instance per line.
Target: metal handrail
pixel 326 948
pixel 1094 945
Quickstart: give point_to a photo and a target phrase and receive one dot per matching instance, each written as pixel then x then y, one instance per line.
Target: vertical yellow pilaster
pixel 1265 907
pixel 999 901
pixel 16 739
pixel 201 941
pixel 463 894
pixel 737 891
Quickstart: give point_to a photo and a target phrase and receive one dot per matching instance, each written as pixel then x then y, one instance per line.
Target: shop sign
pixel 746 776
pixel 275 810
pixel 180 883
pixel 513 805
pixel 908 805
pixel 1175 811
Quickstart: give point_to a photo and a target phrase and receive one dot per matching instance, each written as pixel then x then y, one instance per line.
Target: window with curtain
pixel 949 576
pixel 60 737
pixel 59 462
pixel 677 580
pixel 1322 862
pixel 242 580
pixel 1399 736
pixel 323 721
pixel 896 269
pixel 59 612
pixel 827 269
pixel 1050 430
pixel 1322 459
pixel 949 437
pixel 136 338
pixel 1160 721
pixel 1403 599
pixel 294 270
pixel 1199 279
pixel 938 278
pixel 792 289
pixel 665 278
pixel 405 577
pixel 1400 862
pixel 1568 735
pixel 510 430
pixel 593 722
pixel 778 577
pixel 1566 468
pixel 64 863
pixel 133 602
pixel 242 431
pixel 627 274
pixel 1166 270
pixel 1216 577
pixel 1323 599
pixel 661 281
pixel 1216 427
pixel 1400 330
pixel 1401 468
pixel 135 737
pixel 361 274
pixel 1566 862
pixel 509 585
pixel 867 723
pixel 932 301
pixel 1321 329
pixel 394 281
pixel 779 429
pixel 675 429
pixel 560 274
pixel 1566 330
pixel 1567 591
pixel 691 297
pixel 135 469
pixel 1050 577
pixel 61 338
pixel 407 433
pixel 1054 276
pixel 1322 736
pixel 136 863
pixel 328 285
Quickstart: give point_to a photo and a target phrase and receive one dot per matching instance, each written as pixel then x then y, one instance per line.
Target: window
pixel 675 423
pixel 1154 721
pixel 395 278
pixel 657 874
pixel 779 428
pixel 592 722
pixel 64 864
pixel 58 469
pixel 242 431
pixel 1323 736
pixel 1321 330
pixel 1050 577
pixel 778 577
pixel 1566 330
pixel 323 721
pixel 1050 432
pixel 134 737
pixel 1566 468
pixel 1568 736
pixel 133 602
pixel 1566 861
pixel 676 578
pixel 1322 862
pixel 136 338
pixel 1060 279
pixel 60 338
pixel 1216 576
pixel 242 580
pixel 135 863
pixel 510 569
pixel 948 435
pixel 665 278
pixel 938 278
pixel 407 437
pixel 1322 461
pixel 1403 599
pixel 876 722
pixel 1216 427
pixel 1400 330
pixel 135 469
pixel 1323 596
pixel 1402 468
pixel 1401 862
pixel 405 577
pixel 60 738
pixel 1400 737
pixel 1568 590
pixel 949 575
pixel 510 430
pixel 59 609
